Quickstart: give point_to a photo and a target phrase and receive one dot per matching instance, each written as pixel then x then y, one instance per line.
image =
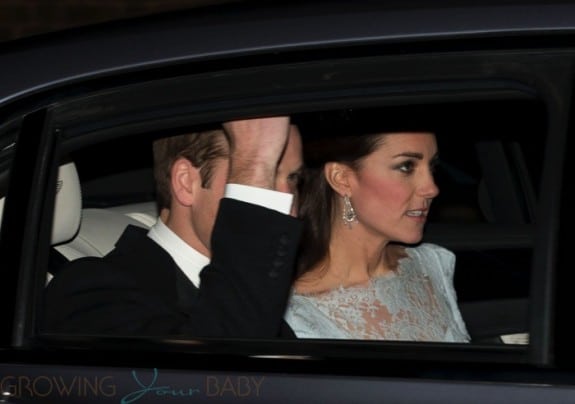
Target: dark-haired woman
pixel 364 273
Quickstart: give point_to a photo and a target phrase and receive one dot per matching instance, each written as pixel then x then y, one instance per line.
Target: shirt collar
pixel 189 260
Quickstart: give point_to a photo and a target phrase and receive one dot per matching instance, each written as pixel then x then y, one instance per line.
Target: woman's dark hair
pixel 317 205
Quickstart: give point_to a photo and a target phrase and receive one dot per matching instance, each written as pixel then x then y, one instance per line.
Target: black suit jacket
pixel 137 289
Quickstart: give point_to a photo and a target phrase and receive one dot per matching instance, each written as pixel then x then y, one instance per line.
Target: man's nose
pixel 283 185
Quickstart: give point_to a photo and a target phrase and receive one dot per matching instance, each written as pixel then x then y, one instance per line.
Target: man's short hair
pixel 200 148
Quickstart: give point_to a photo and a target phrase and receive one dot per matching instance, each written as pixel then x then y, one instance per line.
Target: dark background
pixel 23 18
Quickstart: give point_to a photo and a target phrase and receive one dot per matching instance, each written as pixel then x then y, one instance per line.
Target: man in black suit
pixel 225 198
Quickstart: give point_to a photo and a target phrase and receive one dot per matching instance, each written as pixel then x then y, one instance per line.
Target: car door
pixel 502 111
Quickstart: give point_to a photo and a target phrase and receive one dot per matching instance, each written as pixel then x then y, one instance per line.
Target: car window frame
pixel 43 173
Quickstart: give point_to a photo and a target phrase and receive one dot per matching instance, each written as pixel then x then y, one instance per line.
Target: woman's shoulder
pixel 433 256
pixel 427 249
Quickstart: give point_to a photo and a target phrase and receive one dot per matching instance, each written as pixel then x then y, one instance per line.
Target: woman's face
pixel 392 190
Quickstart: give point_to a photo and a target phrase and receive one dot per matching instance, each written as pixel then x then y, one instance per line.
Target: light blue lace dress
pixel 415 303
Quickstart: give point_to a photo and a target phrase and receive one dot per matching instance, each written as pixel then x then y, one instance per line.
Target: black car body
pixel 499 78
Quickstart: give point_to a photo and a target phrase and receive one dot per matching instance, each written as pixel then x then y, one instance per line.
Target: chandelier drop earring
pixel 348 215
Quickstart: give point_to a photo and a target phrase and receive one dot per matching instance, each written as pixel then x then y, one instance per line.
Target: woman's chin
pixel 414 239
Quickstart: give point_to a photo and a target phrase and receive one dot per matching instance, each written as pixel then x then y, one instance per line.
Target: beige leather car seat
pixel 68 207
pixel 78 232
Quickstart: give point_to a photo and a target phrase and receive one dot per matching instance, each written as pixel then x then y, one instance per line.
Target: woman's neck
pixel 353 258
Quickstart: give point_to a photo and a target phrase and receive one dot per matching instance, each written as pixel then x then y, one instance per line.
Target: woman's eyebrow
pixel 414 155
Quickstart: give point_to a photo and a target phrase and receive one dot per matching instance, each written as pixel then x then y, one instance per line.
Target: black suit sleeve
pixel 248 280
pixel 137 290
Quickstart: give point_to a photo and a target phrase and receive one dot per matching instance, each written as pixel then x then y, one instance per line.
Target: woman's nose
pixel 429 188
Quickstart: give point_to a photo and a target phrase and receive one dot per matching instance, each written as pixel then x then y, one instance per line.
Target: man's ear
pixel 185 181
pixel 337 176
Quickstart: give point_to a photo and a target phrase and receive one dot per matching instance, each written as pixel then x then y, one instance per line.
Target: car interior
pixel 484 213
pixel 491 132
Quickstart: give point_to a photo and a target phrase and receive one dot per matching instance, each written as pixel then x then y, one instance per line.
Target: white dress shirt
pixel 188 259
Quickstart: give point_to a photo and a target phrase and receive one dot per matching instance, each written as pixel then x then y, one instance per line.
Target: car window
pixel 492 134
pixel 490 164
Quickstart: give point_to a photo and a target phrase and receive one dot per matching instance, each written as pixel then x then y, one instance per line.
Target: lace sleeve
pixel 442 275
pixel 307 321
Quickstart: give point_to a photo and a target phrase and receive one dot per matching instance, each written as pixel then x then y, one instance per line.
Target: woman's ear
pixel 337 176
pixel 185 180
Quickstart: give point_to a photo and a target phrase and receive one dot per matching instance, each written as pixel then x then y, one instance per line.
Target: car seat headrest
pixel 67 207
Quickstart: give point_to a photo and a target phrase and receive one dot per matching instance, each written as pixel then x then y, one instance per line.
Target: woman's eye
pixel 406 167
